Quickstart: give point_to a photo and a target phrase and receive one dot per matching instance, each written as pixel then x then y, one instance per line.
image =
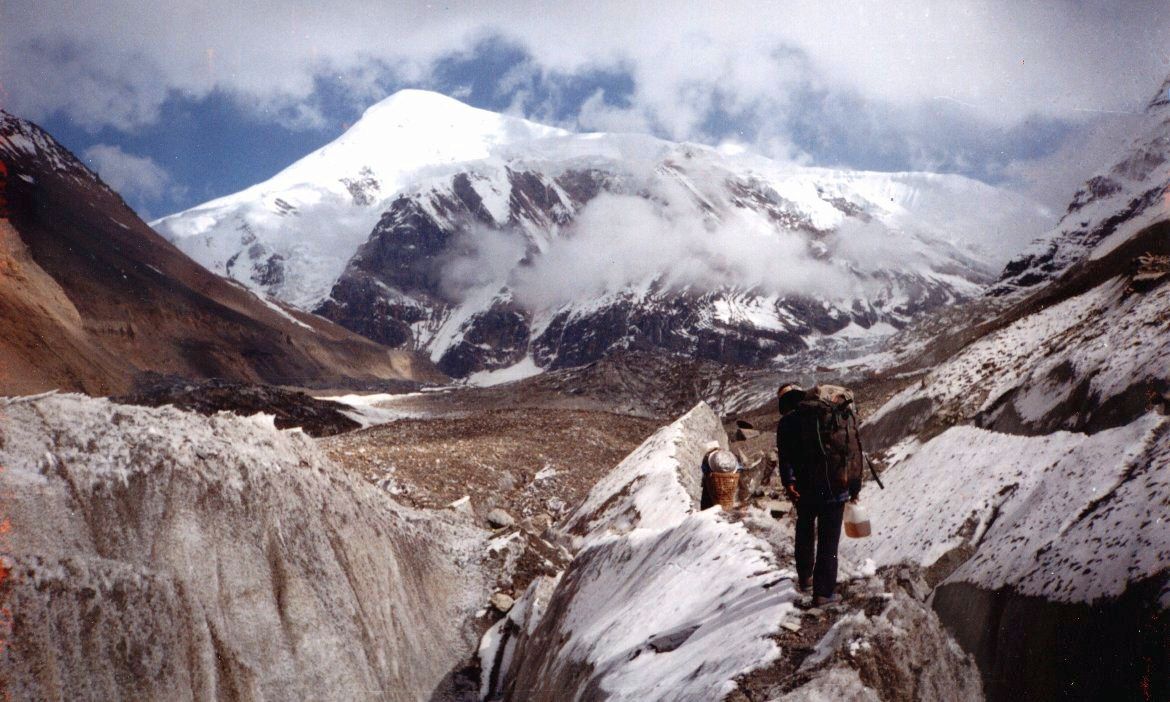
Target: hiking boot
pixel 821 600
pixel 803 584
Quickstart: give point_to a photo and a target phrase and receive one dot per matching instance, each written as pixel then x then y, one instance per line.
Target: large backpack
pixel 828 431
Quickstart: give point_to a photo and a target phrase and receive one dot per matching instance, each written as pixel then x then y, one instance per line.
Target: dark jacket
pixel 805 466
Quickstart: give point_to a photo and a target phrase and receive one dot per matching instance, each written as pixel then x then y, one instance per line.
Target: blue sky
pixel 212 145
pixel 177 105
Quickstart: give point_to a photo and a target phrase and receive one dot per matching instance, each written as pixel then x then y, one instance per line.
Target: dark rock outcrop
pixel 496 338
pixel 290 408
pixel 1035 648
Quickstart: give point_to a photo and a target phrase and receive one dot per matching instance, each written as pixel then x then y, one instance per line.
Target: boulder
pixel 499 519
pixel 539 523
pixel 463 506
pixel 502 602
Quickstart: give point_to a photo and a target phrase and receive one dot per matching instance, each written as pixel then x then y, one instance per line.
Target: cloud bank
pixel 618 243
pixel 130 175
pixel 1005 61
pixel 860 84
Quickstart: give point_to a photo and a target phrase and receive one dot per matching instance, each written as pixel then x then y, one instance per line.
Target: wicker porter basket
pixel 723 487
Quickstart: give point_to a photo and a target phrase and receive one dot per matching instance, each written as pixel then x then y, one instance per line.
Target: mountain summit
pixel 292 234
pixel 492 242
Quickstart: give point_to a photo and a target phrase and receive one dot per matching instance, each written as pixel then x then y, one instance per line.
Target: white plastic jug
pixel 856 521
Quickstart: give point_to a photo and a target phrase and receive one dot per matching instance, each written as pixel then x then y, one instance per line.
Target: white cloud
pixel 132 176
pixel 596 115
pixel 619 242
pixel 997 64
pixel 1092 148
pixel 113 62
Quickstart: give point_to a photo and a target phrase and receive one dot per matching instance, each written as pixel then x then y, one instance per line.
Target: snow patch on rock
pixel 661 602
pixel 656 486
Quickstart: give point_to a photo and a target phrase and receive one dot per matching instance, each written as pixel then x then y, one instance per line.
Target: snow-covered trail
pixel 666 602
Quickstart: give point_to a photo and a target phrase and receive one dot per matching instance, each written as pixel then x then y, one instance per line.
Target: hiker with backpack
pixel 820 466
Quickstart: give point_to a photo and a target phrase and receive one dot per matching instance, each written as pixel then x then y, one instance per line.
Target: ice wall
pixel 163 555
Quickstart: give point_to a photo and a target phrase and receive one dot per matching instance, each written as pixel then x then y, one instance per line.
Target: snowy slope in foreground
pixel 663 602
pixel 716 631
pixel 1068 517
pixel 166 555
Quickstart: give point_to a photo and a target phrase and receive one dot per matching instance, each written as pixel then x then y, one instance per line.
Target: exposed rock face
pixel 162 555
pixel 1036 648
pixel 496 338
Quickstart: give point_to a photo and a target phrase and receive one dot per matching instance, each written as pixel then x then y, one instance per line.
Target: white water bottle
pixel 856 521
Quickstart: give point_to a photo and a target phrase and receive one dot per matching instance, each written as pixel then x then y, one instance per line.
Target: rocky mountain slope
pixel 491 242
pixel 1109 209
pixel 1029 450
pixel 90 296
pixel 1051 489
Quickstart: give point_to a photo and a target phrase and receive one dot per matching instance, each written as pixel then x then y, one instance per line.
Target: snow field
pixel 376 408
pixel 1067 516
pixel 1104 338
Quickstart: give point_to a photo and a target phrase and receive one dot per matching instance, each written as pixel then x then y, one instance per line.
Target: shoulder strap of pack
pixel 857 437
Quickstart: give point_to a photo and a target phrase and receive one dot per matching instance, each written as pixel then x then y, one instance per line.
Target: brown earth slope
pixel 90 296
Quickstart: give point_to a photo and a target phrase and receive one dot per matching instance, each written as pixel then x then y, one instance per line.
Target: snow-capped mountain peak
pixel 337 192
pixel 409 131
pixel 480 237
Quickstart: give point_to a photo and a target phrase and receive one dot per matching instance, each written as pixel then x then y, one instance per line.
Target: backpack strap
pixel 857 436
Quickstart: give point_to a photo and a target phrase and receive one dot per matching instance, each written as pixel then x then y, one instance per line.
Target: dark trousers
pixel 818 525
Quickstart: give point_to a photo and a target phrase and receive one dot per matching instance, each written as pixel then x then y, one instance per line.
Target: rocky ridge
pixel 1108 210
